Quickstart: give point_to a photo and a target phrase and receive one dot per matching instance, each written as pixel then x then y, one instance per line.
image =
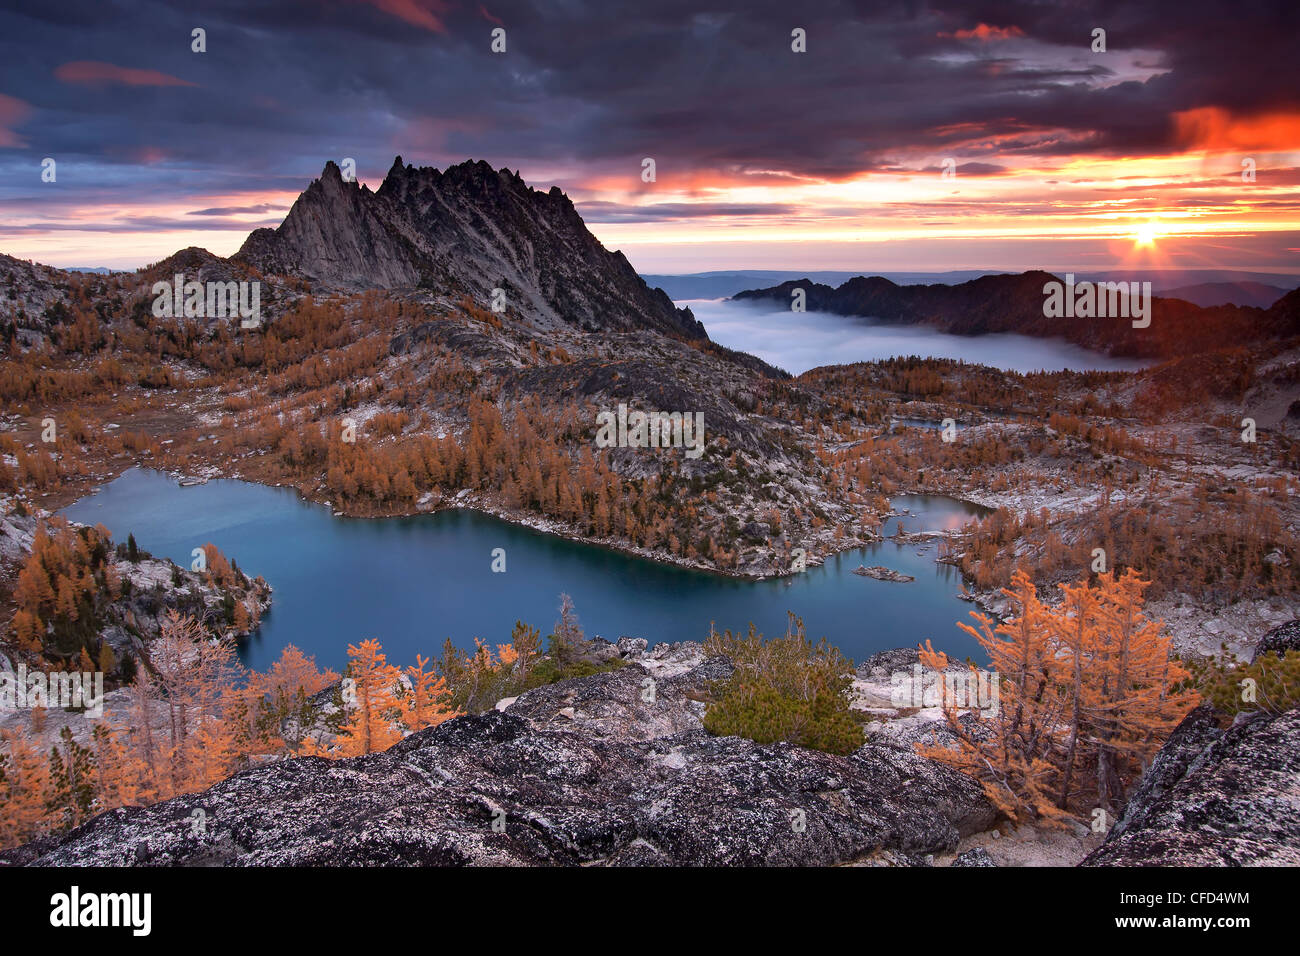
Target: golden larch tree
pixel 1087 693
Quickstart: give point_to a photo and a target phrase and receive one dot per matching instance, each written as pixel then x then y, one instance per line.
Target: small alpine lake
pixel 411 582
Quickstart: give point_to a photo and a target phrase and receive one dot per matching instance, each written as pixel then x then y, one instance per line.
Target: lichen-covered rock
pixel 616 783
pixel 928 728
pixel 627 704
pixel 883 663
pixel 976 857
pixel 1215 797
pixel 1285 637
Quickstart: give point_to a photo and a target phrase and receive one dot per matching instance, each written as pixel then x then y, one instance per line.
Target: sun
pixel 1146 234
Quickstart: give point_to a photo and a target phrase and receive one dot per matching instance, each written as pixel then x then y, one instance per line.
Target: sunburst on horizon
pixel 1147 234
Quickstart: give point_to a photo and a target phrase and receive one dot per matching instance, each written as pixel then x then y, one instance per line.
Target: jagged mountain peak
pixel 463 230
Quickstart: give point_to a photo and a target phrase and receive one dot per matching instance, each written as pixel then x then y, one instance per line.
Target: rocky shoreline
pixel 150 587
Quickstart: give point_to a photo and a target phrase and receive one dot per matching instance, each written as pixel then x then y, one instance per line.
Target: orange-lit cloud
pixel 1211 127
pixel 986 32
pixel 94 73
pixel 1075 204
pixel 128 230
pixel 419 13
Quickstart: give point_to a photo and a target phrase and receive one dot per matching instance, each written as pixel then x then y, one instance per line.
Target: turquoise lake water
pixel 412 582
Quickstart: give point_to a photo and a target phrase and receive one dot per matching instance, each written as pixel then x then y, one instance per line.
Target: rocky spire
pixel 466 230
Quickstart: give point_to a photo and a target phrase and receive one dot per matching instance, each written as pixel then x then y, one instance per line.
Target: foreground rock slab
pixel 614 780
pixel 1215 797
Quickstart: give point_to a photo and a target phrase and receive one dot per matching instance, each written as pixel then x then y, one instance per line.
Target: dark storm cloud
pixel 593 86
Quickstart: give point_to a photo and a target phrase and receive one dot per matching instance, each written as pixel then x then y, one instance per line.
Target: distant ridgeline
pixel 1021 304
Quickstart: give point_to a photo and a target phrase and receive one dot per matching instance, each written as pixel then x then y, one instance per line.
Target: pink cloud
pixel 92 72
pixel 429 136
pixel 12 112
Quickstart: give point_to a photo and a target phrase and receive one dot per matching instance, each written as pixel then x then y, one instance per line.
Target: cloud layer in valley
pixel 798 342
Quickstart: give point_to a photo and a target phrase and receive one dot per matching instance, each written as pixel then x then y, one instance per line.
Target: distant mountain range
pixel 1199 286
pixel 1015 303
pixel 722 285
pixel 1255 294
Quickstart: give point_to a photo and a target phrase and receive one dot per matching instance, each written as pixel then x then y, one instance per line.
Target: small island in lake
pixel 882 574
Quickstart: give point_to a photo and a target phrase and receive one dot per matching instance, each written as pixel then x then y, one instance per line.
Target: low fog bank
pixel 797 342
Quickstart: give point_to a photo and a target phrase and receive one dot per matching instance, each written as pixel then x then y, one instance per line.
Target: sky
pixel 907 136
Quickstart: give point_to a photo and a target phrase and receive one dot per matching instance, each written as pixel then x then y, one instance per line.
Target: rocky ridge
pixel 586 771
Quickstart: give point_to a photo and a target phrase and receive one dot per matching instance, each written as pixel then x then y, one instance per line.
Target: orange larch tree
pixel 425 704
pixel 1087 691
pixel 1013 760
pixel 24 788
pixel 1129 708
pixel 374 708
